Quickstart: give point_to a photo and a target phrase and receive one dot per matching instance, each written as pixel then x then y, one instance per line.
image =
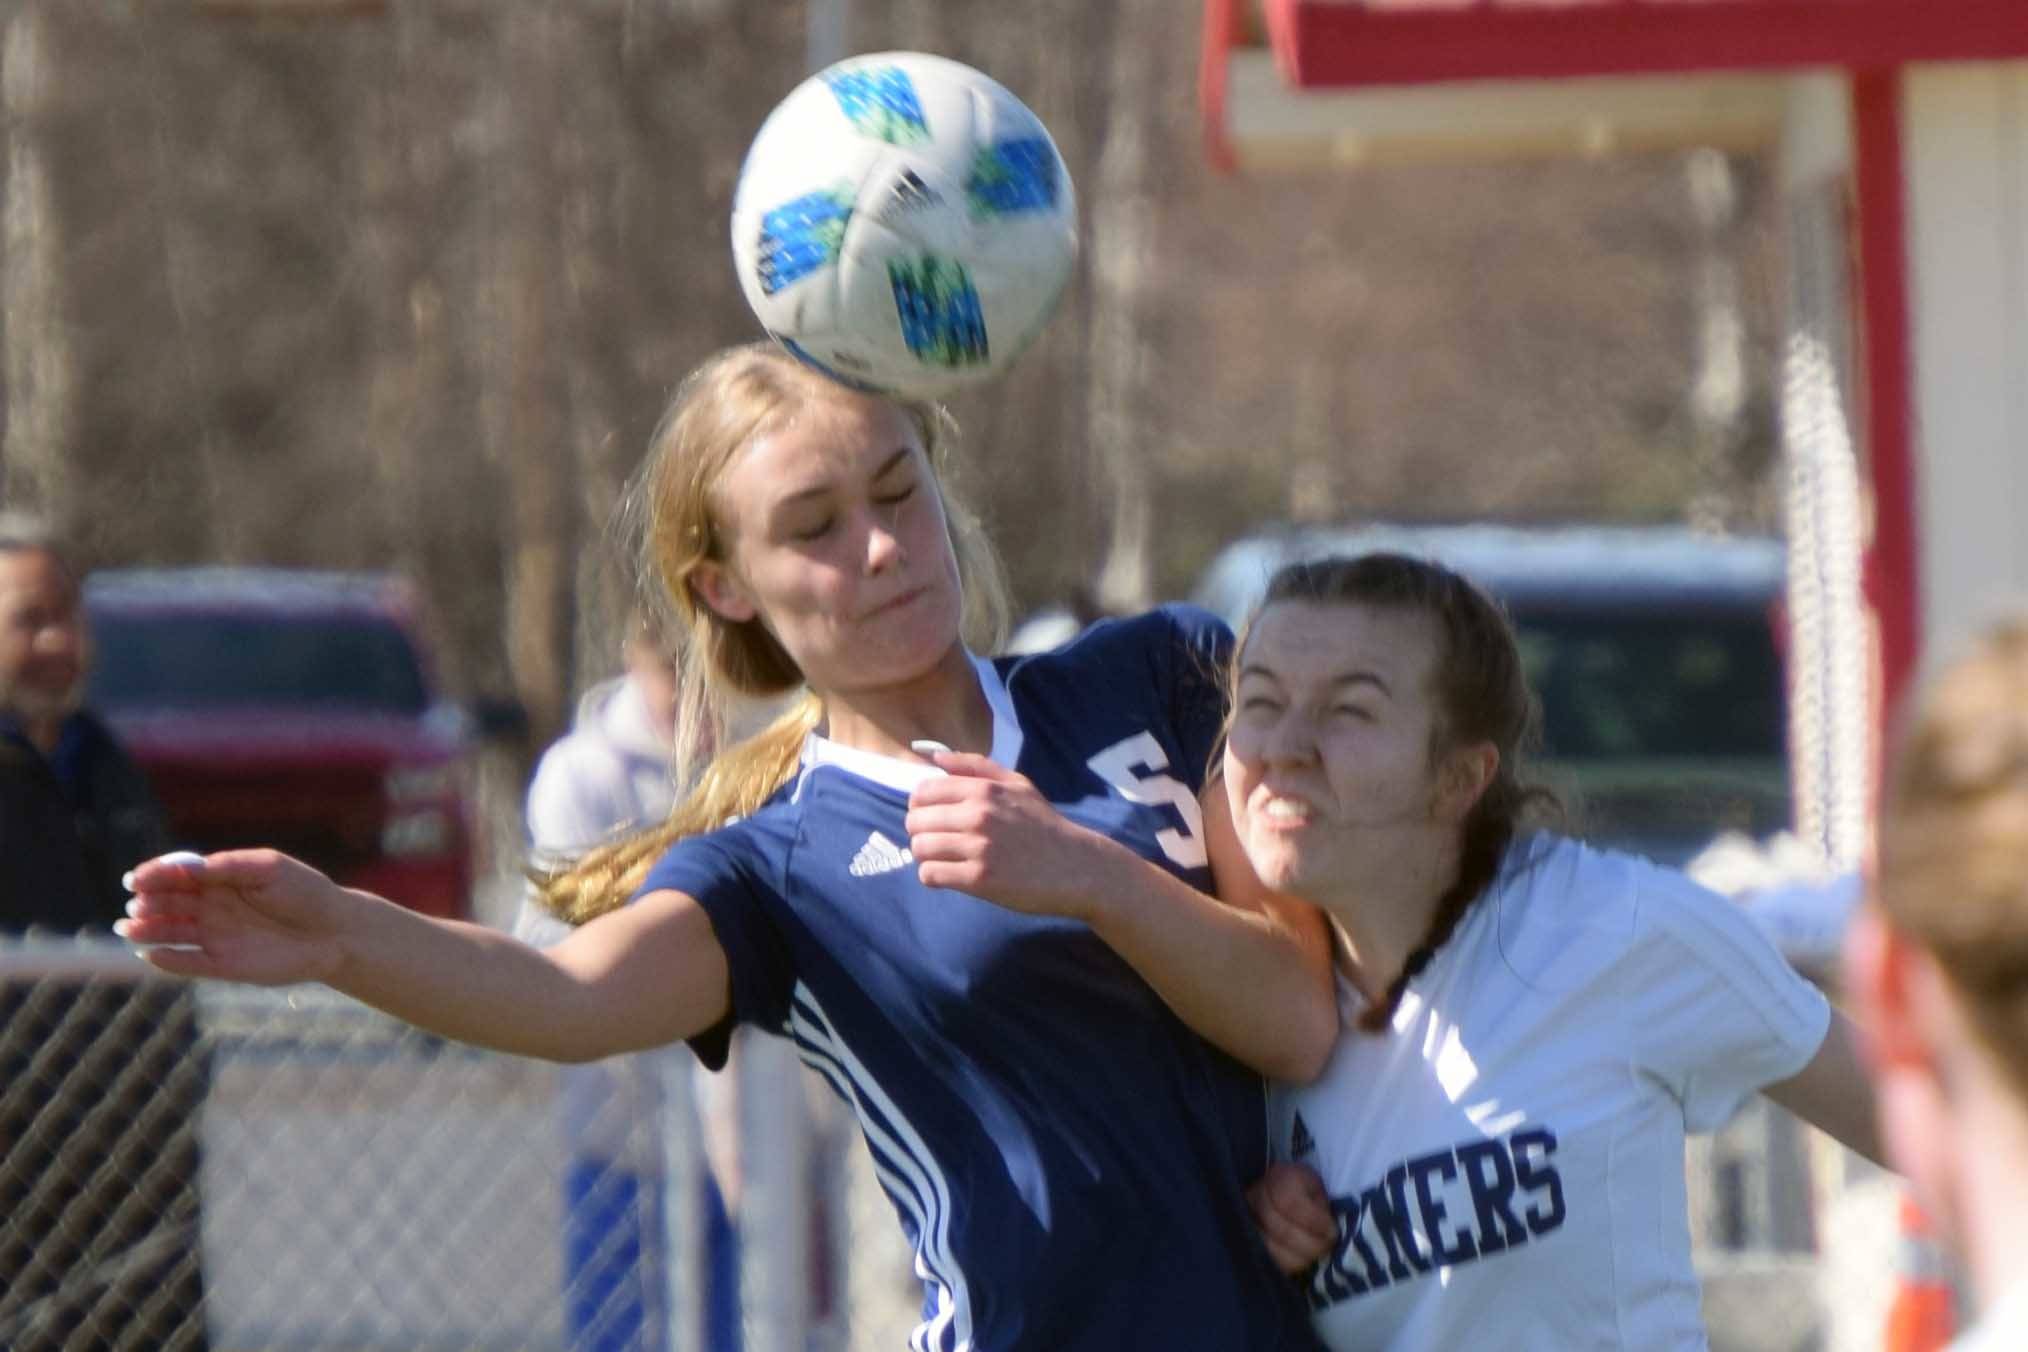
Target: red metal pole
pixel 1893 572
pixel 1221 20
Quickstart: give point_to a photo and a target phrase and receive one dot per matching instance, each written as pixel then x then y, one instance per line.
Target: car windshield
pixel 1689 685
pixel 201 661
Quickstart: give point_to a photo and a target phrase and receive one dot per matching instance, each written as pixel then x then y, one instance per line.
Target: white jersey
pixel 1506 1164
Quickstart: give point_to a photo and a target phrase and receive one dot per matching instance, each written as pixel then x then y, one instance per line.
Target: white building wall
pixel 1965 138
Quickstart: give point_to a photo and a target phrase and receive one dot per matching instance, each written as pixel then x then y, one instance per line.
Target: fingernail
pixel 133 909
pixel 187 858
pixel 127 881
pixel 926 747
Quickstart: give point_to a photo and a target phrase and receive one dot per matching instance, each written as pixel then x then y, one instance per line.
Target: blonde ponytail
pixel 732 785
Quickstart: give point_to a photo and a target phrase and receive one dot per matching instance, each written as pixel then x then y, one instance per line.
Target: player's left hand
pixel 1293 1212
pixel 982 829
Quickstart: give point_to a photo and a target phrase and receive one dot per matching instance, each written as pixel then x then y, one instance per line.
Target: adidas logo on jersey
pixel 1301 1143
pixel 879 855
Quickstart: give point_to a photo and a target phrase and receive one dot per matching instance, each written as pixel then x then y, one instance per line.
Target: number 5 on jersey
pixel 1133 769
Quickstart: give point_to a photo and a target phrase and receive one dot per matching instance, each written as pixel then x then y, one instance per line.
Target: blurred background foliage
pixel 407 283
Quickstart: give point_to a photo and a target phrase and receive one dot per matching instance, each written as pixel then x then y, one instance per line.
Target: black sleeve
pixel 120 822
pixel 44 879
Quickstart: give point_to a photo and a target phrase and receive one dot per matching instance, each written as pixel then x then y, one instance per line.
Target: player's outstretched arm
pixel 1833 1093
pixel 1250 972
pixel 640 976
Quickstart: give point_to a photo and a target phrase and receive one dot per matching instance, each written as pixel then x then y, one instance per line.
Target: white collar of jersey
pixel 904 775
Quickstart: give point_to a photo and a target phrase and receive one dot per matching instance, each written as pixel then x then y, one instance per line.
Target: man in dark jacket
pixel 75 813
pixel 72 820
pixel 91 1069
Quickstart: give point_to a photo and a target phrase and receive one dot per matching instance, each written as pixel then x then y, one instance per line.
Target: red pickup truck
pixel 293 709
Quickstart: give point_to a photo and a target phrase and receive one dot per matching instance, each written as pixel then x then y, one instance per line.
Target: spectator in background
pixel 1937 963
pixel 75 811
pixel 1802 903
pixel 611 773
pixel 92 1072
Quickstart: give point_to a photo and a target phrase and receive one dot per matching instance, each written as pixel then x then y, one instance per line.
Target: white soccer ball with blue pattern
pixel 904 223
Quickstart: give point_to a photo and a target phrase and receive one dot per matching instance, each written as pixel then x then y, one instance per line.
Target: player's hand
pixel 1293 1213
pixel 981 828
pixel 244 915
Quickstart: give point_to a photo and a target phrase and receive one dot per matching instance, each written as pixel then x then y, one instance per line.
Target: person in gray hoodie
pixel 612 773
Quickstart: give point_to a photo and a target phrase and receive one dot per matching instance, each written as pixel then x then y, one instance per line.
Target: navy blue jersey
pixel 1067 1157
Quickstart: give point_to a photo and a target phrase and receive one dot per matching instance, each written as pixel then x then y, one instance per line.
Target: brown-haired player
pixel 1937 962
pixel 1494 1155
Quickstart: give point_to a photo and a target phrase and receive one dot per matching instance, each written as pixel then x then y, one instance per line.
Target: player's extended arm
pixel 640 976
pixel 1833 1093
pixel 1249 971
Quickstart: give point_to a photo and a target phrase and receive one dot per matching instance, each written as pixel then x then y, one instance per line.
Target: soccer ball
pixel 903 223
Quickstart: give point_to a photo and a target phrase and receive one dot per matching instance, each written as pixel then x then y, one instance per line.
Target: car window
pixel 195 661
pixel 1697 685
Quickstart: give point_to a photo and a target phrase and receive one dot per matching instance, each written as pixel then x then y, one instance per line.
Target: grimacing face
pixel 838 542
pixel 43 644
pixel 1328 765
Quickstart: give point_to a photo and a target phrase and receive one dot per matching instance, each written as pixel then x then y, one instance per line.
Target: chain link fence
pixel 208 1166
pixel 192 1166
pixel 101 1087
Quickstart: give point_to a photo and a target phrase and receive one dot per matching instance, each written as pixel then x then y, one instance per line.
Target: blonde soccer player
pixel 1003 956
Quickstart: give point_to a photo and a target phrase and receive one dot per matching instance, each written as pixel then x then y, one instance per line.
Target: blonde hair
pixel 726 404
pixel 1953 869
